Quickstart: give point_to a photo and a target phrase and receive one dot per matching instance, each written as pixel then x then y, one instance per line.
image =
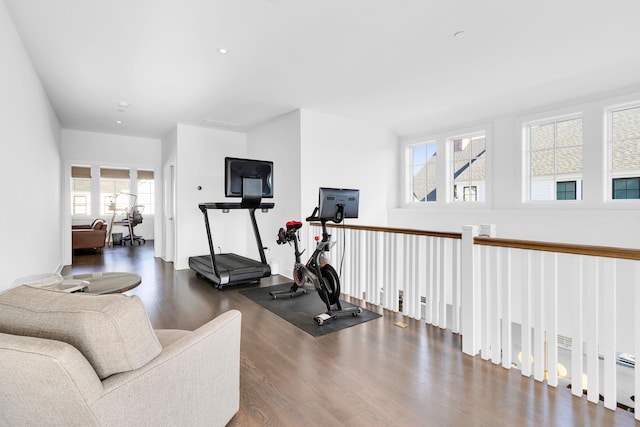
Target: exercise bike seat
pixel 293 225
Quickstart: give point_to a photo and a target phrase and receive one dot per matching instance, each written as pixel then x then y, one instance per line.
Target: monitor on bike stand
pixel 336 204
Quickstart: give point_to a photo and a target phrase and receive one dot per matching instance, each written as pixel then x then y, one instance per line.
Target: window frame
pixel 109 205
pixel 611 174
pixel 409 194
pixel 73 193
pixel 149 208
pixel 526 160
pixel 576 189
pixel 451 200
pixel 626 178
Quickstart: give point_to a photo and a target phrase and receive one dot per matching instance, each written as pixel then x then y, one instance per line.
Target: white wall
pixel 200 157
pixel 309 150
pixel 98 149
pixel 344 153
pixel 278 141
pixel 31 167
pixel 169 150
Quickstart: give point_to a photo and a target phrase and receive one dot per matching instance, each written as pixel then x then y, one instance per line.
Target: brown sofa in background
pixel 91 236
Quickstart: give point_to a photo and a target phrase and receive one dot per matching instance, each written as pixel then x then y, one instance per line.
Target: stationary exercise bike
pixel 317 271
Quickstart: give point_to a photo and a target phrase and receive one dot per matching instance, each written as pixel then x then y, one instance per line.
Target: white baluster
pixel 525 309
pixel 537 295
pixel 487 306
pixel 407 286
pixel 415 279
pixel 591 318
pixel 505 276
pixel 422 272
pixel 455 285
pixel 380 268
pixel 469 292
pixel 495 285
pixel 442 277
pixel 550 282
pixel 429 294
pixel 577 331
pixel 608 328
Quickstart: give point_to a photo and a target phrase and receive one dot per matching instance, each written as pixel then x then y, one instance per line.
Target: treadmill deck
pixel 233 269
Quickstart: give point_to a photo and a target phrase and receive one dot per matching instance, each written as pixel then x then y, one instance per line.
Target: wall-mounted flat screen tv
pixel 239 171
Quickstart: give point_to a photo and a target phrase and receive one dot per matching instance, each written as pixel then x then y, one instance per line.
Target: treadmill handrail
pixel 231 205
pixel 214 267
pixel 204 207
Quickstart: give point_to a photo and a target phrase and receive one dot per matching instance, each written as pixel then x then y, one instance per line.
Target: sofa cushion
pixel 112 331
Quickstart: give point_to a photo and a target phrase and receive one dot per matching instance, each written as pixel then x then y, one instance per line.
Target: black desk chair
pixel 134 217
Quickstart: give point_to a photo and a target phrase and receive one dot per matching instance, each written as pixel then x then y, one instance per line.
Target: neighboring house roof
pixel 564 138
pixel 568 148
pixel 425 180
pixel 626 139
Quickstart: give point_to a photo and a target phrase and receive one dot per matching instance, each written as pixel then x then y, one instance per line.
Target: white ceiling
pixel 395 63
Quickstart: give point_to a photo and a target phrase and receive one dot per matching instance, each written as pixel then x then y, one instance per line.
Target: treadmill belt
pixel 233 269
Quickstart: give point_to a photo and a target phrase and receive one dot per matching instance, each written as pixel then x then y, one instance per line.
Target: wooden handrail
pixel 566 248
pixel 444 234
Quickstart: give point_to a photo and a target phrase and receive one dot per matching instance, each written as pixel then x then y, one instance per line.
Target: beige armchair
pixel 84 359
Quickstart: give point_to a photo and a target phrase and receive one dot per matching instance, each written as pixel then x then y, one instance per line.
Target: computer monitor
pixel 241 171
pixel 335 204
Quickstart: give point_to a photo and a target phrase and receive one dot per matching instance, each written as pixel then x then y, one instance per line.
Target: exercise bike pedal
pixel 321 318
pixel 290 293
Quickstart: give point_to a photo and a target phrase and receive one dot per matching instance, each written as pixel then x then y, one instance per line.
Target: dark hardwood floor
pixel 372 374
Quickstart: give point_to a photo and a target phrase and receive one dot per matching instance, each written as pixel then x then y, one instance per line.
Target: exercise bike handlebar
pixel 313 216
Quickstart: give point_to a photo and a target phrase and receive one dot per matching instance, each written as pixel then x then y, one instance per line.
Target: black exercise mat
pixel 301 310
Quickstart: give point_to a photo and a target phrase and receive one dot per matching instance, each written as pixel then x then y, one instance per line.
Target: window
pixel 80 190
pixel 554 156
pixel 114 182
pixel 468 168
pixel 146 191
pixel 624 149
pixel 422 173
pixel 566 190
pixel 470 194
pixel 626 188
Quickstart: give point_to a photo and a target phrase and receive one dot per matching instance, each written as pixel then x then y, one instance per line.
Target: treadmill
pixel 251 180
pixel 231 269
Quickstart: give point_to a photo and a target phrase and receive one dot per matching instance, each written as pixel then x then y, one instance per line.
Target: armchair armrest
pixel 194 381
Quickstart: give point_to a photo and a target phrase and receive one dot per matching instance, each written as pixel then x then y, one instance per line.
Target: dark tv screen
pixel 237 169
pixel 335 204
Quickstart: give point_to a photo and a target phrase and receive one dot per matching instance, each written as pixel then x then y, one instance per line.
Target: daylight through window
pixel 624 149
pixel 114 182
pixel 80 190
pixel 146 191
pixel 468 168
pixel 422 173
pixel 555 159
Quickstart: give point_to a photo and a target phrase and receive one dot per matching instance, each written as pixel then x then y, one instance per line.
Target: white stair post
pixel 469 292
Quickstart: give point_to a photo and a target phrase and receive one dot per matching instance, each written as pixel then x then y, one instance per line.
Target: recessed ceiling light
pixel 119 122
pixel 223 51
pixel 123 104
pixel 458 35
